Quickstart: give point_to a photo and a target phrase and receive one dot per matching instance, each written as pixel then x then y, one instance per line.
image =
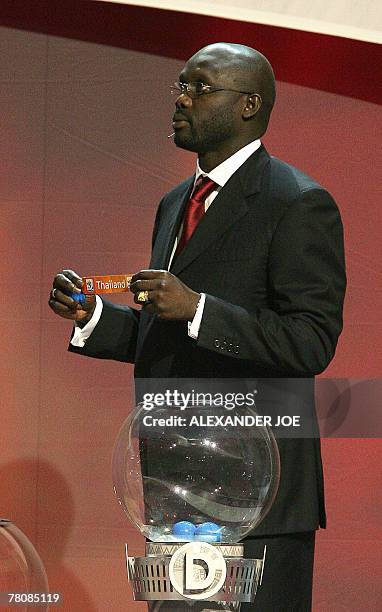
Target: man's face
pixel 211 121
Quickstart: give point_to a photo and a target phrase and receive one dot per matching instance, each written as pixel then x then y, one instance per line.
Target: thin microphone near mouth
pixel 171 135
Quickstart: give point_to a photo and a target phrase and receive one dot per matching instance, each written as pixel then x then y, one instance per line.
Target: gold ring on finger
pixel 143 296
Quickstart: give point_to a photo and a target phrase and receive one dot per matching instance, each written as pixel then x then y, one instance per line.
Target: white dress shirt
pixel 220 175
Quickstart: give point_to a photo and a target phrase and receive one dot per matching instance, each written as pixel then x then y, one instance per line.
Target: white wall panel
pixel 359 19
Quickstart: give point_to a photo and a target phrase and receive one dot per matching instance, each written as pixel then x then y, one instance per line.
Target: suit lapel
pixel 229 205
pixel 170 222
pixel 224 211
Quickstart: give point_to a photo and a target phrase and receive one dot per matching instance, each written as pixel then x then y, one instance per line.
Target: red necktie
pixel 204 186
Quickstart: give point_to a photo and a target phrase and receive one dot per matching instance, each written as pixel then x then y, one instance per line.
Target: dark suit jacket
pixel 269 255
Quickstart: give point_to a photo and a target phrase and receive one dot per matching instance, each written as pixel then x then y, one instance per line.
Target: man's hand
pixel 168 297
pixel 65 283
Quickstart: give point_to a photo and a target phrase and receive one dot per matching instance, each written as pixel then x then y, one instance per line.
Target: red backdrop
pixel 85 160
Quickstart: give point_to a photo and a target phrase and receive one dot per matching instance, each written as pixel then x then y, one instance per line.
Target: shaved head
pixel 245 69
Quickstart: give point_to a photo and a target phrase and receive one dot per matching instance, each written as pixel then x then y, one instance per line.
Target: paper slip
pixel 112 283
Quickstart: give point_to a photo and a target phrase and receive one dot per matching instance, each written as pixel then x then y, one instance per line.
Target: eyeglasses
pixel 198 88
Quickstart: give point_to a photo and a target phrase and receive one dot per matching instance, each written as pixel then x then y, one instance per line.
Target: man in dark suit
pixel 246 281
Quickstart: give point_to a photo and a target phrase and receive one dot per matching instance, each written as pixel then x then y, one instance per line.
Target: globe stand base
pixel 193 606
pixel 159 576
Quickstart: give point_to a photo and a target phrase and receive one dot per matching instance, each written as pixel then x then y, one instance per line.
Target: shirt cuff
pixel 81 334
pixel 194 325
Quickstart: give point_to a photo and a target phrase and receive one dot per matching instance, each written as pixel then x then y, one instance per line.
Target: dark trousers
pixel 287 578
pixel 288 572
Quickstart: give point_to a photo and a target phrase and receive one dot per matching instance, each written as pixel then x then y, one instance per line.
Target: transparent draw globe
pixel 184 475
pixel 21 569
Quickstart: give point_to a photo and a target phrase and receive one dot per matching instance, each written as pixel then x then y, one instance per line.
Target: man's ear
pixel 252 106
